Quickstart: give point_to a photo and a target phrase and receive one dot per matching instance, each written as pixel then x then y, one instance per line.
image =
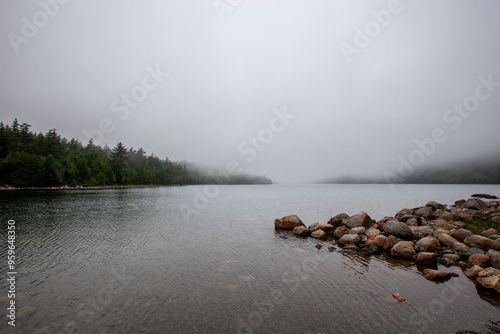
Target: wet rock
pixel 331 248
pixel 403 250
pixel 426 258
pixel 473 271
pixel 446 240
pixel 397 229
pixel 389 242
pixel 427 244
pixel 353 239
pixel 288 222
pixel 318 234
pixel 461 234
pixel 481 260
pixel 337 220
pixel 475 204
pixel 372 249
pixel 489 278
pixel 467 252
pixel 481 242
pixel 437 275
pixel 300 230
pixel 357 220
pixel 318 246
pixel 452 257
pixel 445 261
pixel 379 241
pixel 489 232
pixel 357 230
pixel 372 232
pixel 340 231
pixel 399 297
pixel 494 258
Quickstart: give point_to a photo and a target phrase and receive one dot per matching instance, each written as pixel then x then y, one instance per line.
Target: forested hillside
pixel 28 159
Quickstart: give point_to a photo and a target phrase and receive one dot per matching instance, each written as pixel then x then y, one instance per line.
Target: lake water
pixel 204 259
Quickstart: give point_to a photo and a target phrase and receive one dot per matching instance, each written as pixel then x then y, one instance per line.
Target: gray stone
pixel 397 229
pixel 475 204
pixel 427 244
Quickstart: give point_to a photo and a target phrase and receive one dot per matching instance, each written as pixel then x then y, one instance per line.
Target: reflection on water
pixel 132 261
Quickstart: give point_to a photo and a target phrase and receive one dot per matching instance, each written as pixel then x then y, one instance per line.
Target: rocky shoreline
pixel 426 236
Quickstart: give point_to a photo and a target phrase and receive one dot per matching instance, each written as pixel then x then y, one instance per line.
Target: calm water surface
pixel 207 260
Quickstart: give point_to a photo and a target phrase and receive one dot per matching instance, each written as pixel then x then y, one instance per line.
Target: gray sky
pixel 359 100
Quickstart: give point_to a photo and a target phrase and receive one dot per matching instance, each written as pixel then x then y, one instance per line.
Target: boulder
pixel 404 212
pixel 473 271
pixel 445 261
pixel 357 220
pixel 459 246
pixel 458 224
pixel 425 211
pixel 379 241
pixel 412 222
pixel 421 231
pixel 481 242
pixel 427 244
pixel 468 251
pixel 460 202
pixel 318 234
pixel 349 239
pixel 439 231
pixel 372 232
pixel 460 234
pixel 357 230
pixel 494 258
pixel 446 240
pixel 327 228
pixel 406 218
pixel 487 196
pixel 397 229
pixel 437 275
pixel 489 232
pixel 452 257
pixel 489 278
pixel 435 205
pixel 389 242
pixel 337 220
pixel 481 260
pixel 442 224
pixel 403 250
pixel 300 230
pixel 288 222
pixel 475 204
pixel 340 231
pixel 426 258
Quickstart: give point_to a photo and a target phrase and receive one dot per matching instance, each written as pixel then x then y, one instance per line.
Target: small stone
pixel 318 234
pixel 331 248
pixel 318 246
pixel 473 271
pixel 481 260
pixel 399 297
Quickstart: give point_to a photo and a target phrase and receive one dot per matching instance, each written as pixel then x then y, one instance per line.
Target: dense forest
pixel 28 159
pixel 485 170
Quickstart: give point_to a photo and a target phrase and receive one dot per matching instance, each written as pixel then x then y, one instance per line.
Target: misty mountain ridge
pixel 478 170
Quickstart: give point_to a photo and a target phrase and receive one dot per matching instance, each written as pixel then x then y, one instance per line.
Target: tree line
pixel 28 159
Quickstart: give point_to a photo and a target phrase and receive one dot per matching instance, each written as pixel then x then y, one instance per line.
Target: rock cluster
pixel 428 235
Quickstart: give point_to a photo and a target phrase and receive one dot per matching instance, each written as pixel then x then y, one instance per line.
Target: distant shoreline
pixel 88 187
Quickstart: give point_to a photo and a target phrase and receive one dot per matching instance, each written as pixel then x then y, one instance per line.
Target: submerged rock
pixel 437 275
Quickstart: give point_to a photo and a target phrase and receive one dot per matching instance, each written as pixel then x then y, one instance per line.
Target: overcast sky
pixel 355 82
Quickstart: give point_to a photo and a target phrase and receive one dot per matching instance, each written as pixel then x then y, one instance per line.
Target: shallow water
pixel 207 259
